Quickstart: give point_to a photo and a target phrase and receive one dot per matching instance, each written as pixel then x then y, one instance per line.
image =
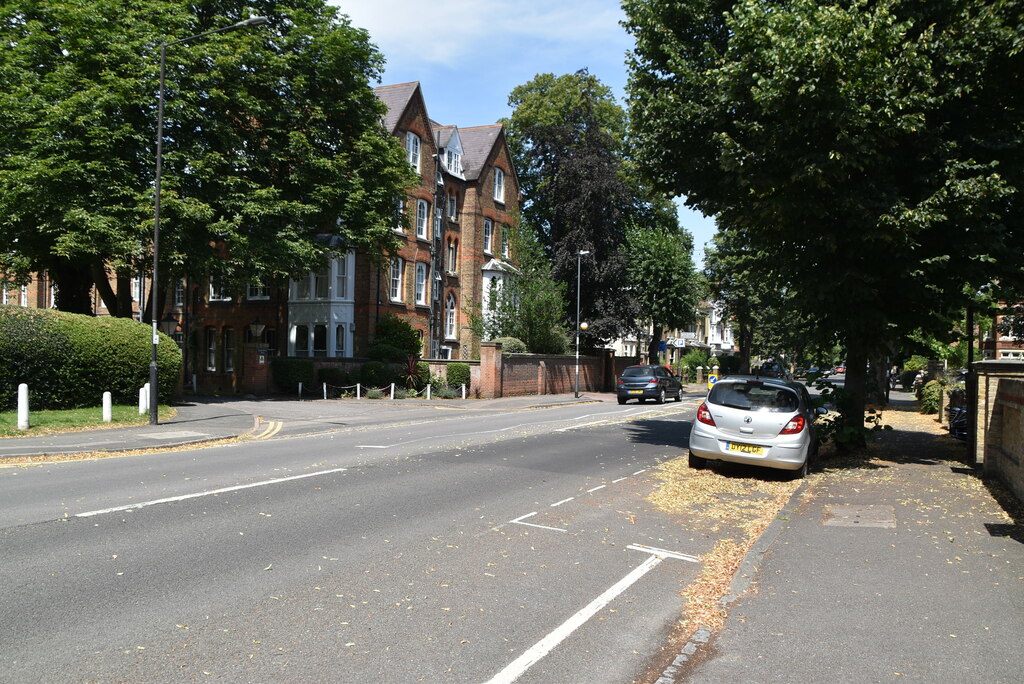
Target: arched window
pixel 449 317
pixel 422 212
pixel 412 150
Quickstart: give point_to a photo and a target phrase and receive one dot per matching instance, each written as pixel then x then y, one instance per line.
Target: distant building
pixel 455 248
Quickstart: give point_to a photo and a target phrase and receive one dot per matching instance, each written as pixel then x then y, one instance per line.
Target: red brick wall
pixel 526 374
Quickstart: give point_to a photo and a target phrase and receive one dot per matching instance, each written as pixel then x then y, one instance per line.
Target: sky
pixel 468 55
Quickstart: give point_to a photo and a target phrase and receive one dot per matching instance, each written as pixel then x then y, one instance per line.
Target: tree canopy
pixel 868 155
pixel 273 146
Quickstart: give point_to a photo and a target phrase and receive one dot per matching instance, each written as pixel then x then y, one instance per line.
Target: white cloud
pixel 449 32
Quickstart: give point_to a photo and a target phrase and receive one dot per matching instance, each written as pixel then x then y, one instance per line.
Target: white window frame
pixel 211 349
pixel 422 219
pixel 449 317
pixel 256 292
pixel 179 293
pixel 452 257
pixel 395 279
pixel 453 207
pixel 421 283
pixel 499 185
pixel 217 292
pixel 24 295
pixel 341 278
pixel 412 150
pixel 400 224
pixel 319 351
pixel 322 284
pixel 340 339
pixel 488 235
pixel 302 341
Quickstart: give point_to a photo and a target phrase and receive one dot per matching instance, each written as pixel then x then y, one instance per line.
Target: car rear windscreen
pixel 636 372
pixel 754 397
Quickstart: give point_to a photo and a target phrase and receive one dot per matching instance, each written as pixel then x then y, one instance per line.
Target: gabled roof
pixel 397 98
pixel 442 134
pixel 477 143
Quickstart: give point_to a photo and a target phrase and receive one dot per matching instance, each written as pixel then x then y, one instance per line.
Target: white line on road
pixel 559 503
pixel 663 553
pixel 640 471
pixel 589 491
pixel 172 499
pixel 619 480
pixel 521 664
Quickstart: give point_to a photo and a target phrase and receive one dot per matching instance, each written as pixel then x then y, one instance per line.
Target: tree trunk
pixel 852 402
pixel 746 341
pixel 74 286
pixel 654 348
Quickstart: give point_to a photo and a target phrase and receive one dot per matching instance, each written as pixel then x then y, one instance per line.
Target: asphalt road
pixel 456 547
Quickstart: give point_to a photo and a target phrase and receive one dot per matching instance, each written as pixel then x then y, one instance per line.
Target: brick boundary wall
pixel 1004 446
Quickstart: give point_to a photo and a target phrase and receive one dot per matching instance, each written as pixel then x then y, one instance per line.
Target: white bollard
pixel 359 391
pixel 325 390
pixel 463 390
pixel 300 391
pixel 392 391
pixel 143 400
pixel 108 410
pixel 428 391
pixel 195 384
pixel 23 406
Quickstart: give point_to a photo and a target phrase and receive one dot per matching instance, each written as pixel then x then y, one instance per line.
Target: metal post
pixel 579 258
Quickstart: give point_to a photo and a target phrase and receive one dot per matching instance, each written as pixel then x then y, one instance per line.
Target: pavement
pixel 908 566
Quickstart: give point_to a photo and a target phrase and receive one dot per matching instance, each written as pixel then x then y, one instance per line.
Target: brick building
pixel 454 246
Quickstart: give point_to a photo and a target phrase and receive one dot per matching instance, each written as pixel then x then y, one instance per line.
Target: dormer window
pixel 453 161
pixel 412 150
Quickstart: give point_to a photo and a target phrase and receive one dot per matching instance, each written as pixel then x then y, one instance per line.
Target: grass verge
pixel 75 420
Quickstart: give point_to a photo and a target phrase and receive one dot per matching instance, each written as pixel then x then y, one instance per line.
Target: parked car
pixel 648 382
pixel 771 369
pixel 758 421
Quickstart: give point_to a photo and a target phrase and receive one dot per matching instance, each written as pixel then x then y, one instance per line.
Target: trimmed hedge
pixel 69 360
pixel 511 345
pixel 457 374
pixel 289 372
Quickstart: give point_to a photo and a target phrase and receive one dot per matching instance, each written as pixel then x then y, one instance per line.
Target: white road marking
pixel 172 499
pixel 663 553
pixel 529 657
pixel 520 519
pixel 640 471
pixel 596 488
pixel 559 503
pixel 619 480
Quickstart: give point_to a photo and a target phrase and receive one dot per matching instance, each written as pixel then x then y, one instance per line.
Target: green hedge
pixel 457 374
pixel 289 372
pixel 69 360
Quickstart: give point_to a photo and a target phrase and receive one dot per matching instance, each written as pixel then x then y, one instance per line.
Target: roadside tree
pixel 274 154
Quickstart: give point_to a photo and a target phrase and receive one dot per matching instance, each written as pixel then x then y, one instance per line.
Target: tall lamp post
pixel 155 313
pixel 579 258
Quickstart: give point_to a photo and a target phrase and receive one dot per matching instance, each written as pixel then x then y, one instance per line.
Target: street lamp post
pixel 155 313
pixel 579 258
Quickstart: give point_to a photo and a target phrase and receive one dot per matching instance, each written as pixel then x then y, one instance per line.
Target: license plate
pixel 745 448
pixel 636 391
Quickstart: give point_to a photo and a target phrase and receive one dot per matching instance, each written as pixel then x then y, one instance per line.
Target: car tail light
pixel 704 415
pixel 621 382
pixel 795 425
pixel 652 383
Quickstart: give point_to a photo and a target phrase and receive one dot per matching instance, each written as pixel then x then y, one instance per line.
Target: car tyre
pixel 696 462
pixel 679 394
pixel 803 470
pixel 621 401
pixel 661 396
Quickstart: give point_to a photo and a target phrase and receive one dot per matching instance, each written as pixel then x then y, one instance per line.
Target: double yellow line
pixel 273 427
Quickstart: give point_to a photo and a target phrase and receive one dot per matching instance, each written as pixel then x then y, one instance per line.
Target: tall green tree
pixel 869 153
pixel 274 155
pixel 566 134
pixel 663 278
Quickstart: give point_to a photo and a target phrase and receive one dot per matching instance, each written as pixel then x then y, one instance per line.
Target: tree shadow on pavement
pixel 668 433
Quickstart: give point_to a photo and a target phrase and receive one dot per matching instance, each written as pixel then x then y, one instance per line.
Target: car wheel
pixel 621 401
pixel 679 394
pixel 661 396
pixel 696 462
pixel 802 472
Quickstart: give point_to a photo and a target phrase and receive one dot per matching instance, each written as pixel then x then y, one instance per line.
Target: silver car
pixel 758 421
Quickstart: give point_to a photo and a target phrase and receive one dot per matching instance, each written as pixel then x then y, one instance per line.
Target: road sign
pixel 712 379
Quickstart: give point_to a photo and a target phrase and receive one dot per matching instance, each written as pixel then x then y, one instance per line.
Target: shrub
pixel 729 364
pixel 694 358
pixel 394 340
pixel 511 345
pixel 289 372
pixel 374 393
pixel 376 374
pixel 444 392
pixel 458 374
pixel 915 363
pixel 69 360
pixel 335 377
pixel 931 396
